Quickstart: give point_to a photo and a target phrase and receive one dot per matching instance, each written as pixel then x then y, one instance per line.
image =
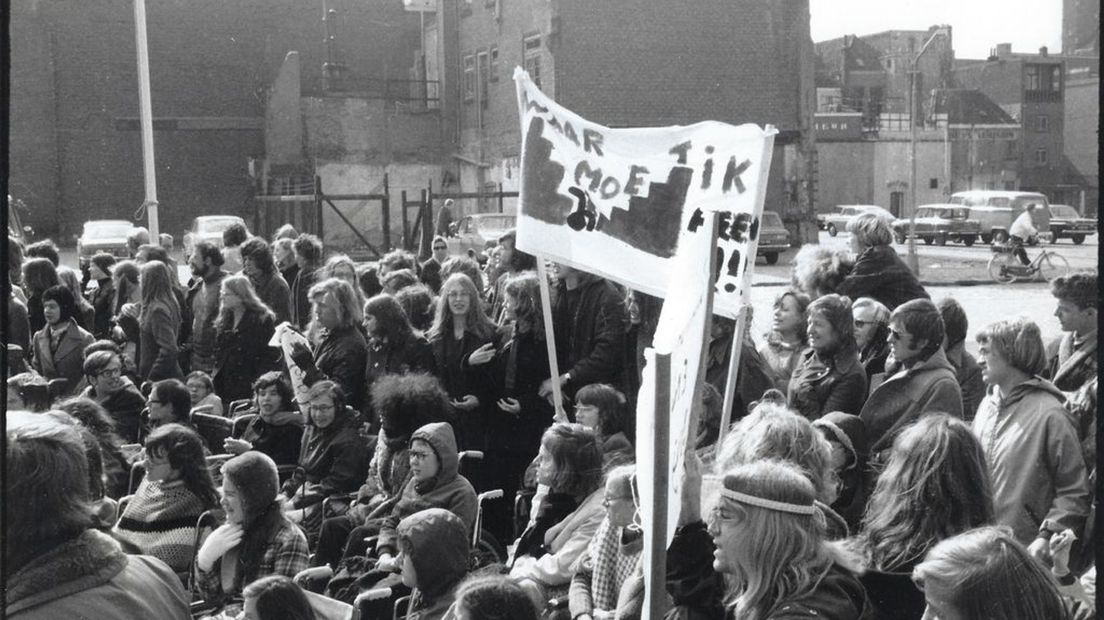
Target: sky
pixel 976 25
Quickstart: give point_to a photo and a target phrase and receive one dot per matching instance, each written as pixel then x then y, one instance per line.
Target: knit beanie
pixel 849 431
pixel 254 475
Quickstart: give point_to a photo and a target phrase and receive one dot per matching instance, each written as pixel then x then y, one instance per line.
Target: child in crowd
pixel 201 388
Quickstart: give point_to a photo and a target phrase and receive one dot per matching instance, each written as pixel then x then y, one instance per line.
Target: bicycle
pixel 1005 268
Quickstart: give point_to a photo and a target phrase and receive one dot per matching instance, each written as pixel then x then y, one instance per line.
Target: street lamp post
pixel 913 259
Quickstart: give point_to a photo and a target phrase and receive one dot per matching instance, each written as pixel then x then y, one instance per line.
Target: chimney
pixel 1043 51
pixel 1004 49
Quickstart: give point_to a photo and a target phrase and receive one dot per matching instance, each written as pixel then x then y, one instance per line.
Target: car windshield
pixel 771 219
pixel 215 225
pixel 1065 211
pixel 925 212
pixel 100 230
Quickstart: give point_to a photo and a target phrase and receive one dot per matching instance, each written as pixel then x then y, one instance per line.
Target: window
pixel 933 183
pixel 1032 79
pixel 531 49
pixel 1041 157
pixel 484 74
pixel 469 77
pixel 1054 84
pixel 494 64
pixel 1042 123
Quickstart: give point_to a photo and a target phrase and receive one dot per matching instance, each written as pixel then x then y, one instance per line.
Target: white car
pixel 208 228
pixel 835 222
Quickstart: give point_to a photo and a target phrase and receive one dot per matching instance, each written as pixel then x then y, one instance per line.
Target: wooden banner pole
pixel 550 340
pixel 656 580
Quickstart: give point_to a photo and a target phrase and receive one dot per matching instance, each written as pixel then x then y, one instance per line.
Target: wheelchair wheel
pixel 487 551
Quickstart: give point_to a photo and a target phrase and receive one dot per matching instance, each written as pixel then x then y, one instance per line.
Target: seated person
pixel 201 388
pixel 278 428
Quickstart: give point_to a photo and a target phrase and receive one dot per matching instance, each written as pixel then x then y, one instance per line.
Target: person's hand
pixel 301 355
pixel 467 403
pixel 236 446
pixel 1040 550
pixel 510 405
pixel 545 390
pixel 1059 547
pixel 690 511
pixel 482 355
pixel 217 544
pixel 387 563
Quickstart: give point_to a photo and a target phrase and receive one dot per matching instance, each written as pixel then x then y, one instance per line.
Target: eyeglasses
pixel 440 247
pixel 417 455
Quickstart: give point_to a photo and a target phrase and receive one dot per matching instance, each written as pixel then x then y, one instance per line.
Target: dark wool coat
pixel 341 357
pixel 819 386
pixel 880 274
pixel 591 323
pixel 243 355
pixel 101 299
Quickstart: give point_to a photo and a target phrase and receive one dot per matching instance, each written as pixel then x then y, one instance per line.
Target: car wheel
pixel 1000 236
pixel 1077 239
pixel 772 258
pixel 969 241
pixel 832 232
pixel 941 239
pixel 1054 235
pixel 986 239
pixel 927 240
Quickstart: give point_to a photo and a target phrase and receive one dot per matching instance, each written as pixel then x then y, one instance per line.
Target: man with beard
pixel 259 265
pixel 203 301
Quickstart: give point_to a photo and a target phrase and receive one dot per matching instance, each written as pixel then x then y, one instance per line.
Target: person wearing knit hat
pixel 257 540
pixel 846 434
pixel 435 554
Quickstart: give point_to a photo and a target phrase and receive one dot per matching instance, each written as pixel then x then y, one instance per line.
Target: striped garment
pixel 161 521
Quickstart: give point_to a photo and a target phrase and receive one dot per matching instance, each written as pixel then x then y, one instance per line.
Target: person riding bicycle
pixel 1022 230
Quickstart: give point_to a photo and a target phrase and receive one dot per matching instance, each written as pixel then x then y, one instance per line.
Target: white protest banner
pixel 620 202
pixel 284 338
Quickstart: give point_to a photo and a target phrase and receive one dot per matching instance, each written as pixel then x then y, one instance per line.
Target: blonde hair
pixel 241 286
pixel 350 313
pixel 871 229
pixel 1018 342
pixel 342 260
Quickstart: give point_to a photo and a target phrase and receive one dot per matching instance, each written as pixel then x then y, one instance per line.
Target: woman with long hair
pixel 769 538
pixel 86 314
pixel 245 325
pixel 342 267
pixel 782 347
pixel 338 350
pixel 460 328
pixel 257 540
pixel 393 346
pixel 985 574
pixel 161 517
pixel 102 297
pixel 124 277
pixel 39 274
pixel 159 323
pixel 829 376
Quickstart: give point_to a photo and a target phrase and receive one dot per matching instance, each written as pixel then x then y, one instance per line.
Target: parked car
pixel 208 228
pixel 107 236
pixel 773 237
pixel 835 222
pixel 478 232
pixel 939 223
pixel 1067 223
pixel 16 230
pixel 995 211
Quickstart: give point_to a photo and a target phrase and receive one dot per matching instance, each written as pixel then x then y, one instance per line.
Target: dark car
pixel 773 237
pixel 1067 223
pixel 939 223
pixel 107 236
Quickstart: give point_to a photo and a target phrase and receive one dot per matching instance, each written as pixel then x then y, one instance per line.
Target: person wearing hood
pixel 846 434
pixel 114 392
pixel 829 376
pixel 1040 486
pixel 435 550
pixel 257 540
pixel 878 271
pixel 278 428
pixel 918 377
pixel 333 458
pixel 57 565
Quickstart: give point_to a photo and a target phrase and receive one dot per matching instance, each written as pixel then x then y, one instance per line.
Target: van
pixel 996 210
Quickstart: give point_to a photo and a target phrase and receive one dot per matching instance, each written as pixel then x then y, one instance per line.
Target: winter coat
pixel 448 490
pixel 1038 471
pixel 300 296
pixel 243 355
pixel 900 397
pixel 158 352
pixel 67 362
pixel 332 460
pixel 341 358
pixel 782 359
pixel 203 300
pixel 460 379
pixel 880 274
pixel 101 299
pixel 280 437
pixel 90 577
pixel 968 374
pixel 517 371
pixel 1072 363
pixel 161 521
pixel 839 594
pixel 275 293
pixel 125 408
pixel 837 383
pixel 590 324
pixel 565 542
pixel 396 355
pixel 438 545
pixel 34 313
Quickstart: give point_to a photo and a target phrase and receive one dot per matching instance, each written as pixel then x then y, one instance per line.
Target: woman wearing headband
pixel 769 537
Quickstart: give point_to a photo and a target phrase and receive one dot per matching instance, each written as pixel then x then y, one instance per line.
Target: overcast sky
pixel 977 25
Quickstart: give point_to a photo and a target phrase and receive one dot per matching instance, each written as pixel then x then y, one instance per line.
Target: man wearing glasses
pixel 431 269
pixel 114 392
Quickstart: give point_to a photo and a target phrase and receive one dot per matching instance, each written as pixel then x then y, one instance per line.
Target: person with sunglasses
pixel 871 334
pixel 431 269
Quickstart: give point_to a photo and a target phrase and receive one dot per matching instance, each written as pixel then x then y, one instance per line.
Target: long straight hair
pixel 155 282
pixel 524 289
pixel 183 447
pixel 477 321
pixel 243 288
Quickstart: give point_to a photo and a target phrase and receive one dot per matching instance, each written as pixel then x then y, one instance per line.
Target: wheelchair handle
pixel 492 494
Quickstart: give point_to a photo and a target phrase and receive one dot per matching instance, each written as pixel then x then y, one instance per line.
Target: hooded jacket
pixel 880 274
pixel 900 398
pixel 332 460
pixel 1039 476
pixel 850 432
pixel 448 489
pixel 437 542
pixel 90 577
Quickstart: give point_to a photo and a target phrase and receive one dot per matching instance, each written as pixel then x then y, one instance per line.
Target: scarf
pixel 614 553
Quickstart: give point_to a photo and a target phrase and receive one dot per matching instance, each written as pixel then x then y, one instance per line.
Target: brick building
pixel 649 63
pixel 75 149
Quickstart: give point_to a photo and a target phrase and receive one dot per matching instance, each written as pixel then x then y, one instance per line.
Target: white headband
pixel 769 504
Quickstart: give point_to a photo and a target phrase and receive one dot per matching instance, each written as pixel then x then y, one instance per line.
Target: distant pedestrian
pixel 444 219
pixel 203 299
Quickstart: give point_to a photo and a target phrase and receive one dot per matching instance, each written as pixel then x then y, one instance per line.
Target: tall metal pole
pixel 913 259
pixel 145 111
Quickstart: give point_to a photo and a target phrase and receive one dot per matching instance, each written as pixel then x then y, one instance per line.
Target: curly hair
pixel 494 597
pixel 309 247
pixel 524 290
pixel 1078 288
pixel 234 235
pixel 183 447
pixel 92 416
pixel 576 458
pixel 935 485
pixel 818 270
pixel 417 303
pixel 257 250
pixel 466 266
pixel 409 401
pixel 274 378
pixel 396 260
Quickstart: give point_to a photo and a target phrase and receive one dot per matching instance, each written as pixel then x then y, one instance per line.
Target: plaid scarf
pixel 614 560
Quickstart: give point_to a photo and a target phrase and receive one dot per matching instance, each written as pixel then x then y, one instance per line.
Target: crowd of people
pixel 162 462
